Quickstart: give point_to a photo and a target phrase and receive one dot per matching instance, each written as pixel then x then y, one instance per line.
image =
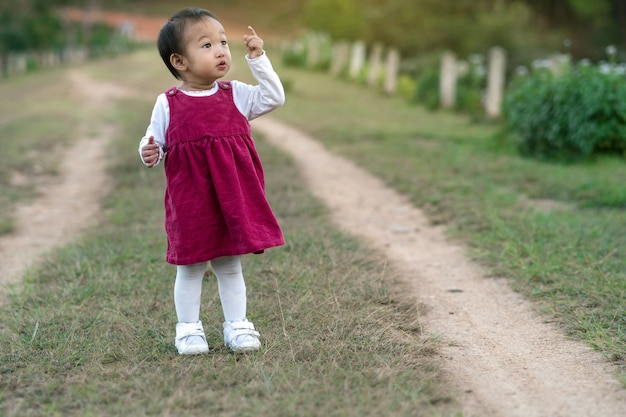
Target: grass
pixel 91 332
pixel 34 132
pixel 558 232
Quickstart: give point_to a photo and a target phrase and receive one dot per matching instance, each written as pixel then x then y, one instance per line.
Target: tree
pixel 591 24
pixel 29 24
pixel 341 19
pixel 524 27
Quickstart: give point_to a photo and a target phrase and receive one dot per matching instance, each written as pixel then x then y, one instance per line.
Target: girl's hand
pixel 254 44
pixel 150 153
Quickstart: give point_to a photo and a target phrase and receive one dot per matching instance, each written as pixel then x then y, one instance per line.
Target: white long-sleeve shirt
pixel 251 100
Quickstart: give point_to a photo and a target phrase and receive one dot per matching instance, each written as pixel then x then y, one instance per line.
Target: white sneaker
pixel 190 339
pixel 240 336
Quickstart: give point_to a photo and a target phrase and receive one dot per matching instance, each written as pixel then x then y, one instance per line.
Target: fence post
pixel 374 65
pixel 495 82
pixel 313 51
pixel 357 59
pixel 391 73
pixel 340 56
pixel 447 80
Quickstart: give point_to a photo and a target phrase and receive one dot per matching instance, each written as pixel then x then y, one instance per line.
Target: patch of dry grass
pixel 92 332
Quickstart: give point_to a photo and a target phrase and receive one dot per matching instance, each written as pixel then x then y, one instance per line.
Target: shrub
pixel 295 55
pixel 300 53
pixel 341 19
pixel 470 87
pixel 406 86
pixel 427 89
pixel 568 117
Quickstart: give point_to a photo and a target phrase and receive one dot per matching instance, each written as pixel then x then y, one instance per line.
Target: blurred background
pixel 497 53
pixel 468 107
pixel 528 29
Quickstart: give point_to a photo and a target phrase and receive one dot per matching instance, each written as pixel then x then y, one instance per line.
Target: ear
pixel 178 62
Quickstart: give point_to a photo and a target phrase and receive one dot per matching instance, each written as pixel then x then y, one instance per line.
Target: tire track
pixel 502 359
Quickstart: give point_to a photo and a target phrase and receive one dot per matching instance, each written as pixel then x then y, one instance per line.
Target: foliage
pixel 591 24
pixel 342 19
pixel 406 87
pixel 28 26
pixel 35 25
pixel 568 117
pixel 295 55
pixel 427 89
pixel 313 51
pixel 471 83
pixel 466 27
pixel 527 29
pixel 101 35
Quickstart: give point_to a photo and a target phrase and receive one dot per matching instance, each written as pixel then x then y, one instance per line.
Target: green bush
pixel 569 117
pixel 406 86
pixel 427 89
pixel 471 84
pixel 295 55
pixel 300 52
pixel 341 19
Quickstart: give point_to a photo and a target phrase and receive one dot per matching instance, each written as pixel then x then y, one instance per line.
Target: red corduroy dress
pixel 215 203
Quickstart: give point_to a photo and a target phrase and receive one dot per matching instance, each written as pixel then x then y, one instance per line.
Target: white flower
pixel 521 70
pixel 611 50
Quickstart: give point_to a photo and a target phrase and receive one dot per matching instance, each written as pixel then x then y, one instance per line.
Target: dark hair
pixel 171 35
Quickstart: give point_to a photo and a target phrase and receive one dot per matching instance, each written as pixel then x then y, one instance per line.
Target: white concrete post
pixel 447 80
pixel 391 72
pixel 313 51
pixel 357 59
pixel 375 65
pixel 495 82
pixel 340 57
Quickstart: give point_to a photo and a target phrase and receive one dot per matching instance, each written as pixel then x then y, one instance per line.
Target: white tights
pixel 231 287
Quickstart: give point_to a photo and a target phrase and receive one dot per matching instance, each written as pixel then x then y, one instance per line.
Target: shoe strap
pixel 234 333
pixel 189 329
pixel 241 328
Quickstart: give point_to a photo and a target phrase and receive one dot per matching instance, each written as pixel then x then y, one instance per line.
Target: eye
pixel 224 43
pixel 206 45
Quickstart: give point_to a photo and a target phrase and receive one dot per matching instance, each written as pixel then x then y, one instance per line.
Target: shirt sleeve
pixel 159 122
pixel 256 100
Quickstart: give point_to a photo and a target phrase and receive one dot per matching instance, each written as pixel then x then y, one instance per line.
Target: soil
pixel 501 358
pixel 67 203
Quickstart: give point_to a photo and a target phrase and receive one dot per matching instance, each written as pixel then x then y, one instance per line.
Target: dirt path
pixel 503 360
pixel 67 204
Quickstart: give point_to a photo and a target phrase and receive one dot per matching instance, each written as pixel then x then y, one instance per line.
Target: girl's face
pixel 206 57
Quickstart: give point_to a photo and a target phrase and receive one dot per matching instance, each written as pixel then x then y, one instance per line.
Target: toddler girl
pixel 215 204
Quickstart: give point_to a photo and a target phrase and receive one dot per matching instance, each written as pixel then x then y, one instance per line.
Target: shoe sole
pixel 193 352
pixel 246 349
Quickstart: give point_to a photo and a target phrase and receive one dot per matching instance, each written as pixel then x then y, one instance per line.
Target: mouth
pixel 221 65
